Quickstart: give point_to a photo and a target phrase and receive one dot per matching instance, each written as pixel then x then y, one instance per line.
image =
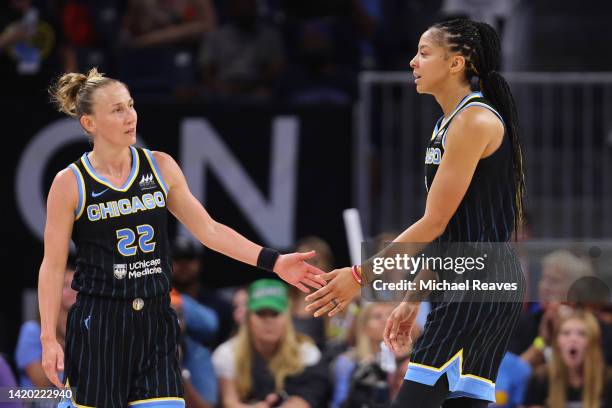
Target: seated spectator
pixel 576 374
pixel 244 56
pixel 158 23
pixel 186 272
pixel 560 269
pixel 28 354
pixel 267 363
pixel 402 22
pixel 511 383
pixel 303 321
pixel 349 367
pixel 317 77
pixel 158 44
pixel 240 299
pixel 603 312
pixel 32 49
pixel 7 380
pixel 91 29
pixel 199 380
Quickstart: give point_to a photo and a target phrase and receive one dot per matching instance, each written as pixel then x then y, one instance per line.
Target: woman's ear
pixel 88 123
pixel 457 64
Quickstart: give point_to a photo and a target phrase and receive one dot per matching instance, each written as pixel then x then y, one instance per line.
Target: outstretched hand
pixel 398 327
pixel 336 295
pixel 293 269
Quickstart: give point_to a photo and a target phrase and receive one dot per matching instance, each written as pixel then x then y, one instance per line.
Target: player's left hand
pixel 293 269
pixel 336 295
pixel 399 326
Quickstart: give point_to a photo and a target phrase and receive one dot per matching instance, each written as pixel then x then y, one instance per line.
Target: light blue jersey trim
pixel 156 171
pixel 81 186
pixel 103 180
pixel 445 121
pixel 460 385
pixel 169 402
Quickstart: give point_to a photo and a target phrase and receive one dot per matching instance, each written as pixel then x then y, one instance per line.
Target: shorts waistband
pixel 160 300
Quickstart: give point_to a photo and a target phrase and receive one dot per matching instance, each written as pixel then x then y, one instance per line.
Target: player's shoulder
pixel 162 159
pixel 65 187
pixel 476 122
pixel 478 117
pixel 65 178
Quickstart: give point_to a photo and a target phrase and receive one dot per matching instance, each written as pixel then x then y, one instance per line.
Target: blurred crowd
pixel 292 51
pixel 256 346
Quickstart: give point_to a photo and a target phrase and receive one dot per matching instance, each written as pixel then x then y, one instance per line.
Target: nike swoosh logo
pixel 94 194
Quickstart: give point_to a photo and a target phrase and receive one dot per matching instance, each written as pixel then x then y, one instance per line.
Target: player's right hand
pixel 398 327
pixel 53 361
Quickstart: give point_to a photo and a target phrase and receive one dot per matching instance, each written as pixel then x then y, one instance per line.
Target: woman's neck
pixel 375 346
pixel 113 161
pixel 265 349
pixel 574 376
pixel 449 99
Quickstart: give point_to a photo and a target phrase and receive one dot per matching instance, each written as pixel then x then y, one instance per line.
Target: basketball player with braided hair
pixel 121 339
pixel 475 187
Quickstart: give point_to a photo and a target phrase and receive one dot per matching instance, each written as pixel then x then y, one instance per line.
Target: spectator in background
pixel 493 12
pixel 199 380
pixel 603 312
pixel 160 23
pixel 560 269
pixel 28 354
pixel 186 268
pixel 240 299
pixel 7 380
pixel 158 44
pixel 32 49
pixel 90 28
pixel 595 296
pixel 316 77
pixel 244 57
pixel 511 383
pixel 267 363
pixel 302 321
pixel 398 33
pixel 352 24
pixel 349 389
pixel 576 374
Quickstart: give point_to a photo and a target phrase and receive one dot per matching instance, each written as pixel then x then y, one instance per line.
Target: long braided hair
pixel 479 44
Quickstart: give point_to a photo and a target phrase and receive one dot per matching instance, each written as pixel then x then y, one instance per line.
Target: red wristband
pixel 357 275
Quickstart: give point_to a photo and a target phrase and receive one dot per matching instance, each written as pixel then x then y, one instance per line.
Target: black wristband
pixel 267 258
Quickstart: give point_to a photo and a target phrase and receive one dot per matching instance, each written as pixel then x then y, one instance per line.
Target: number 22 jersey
pixel 120 233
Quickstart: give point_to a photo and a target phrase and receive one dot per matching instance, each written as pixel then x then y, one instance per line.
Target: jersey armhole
pixel 156 171
pixel 81 187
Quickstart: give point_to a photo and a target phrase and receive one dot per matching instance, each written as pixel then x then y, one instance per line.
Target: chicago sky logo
pixel 146 182
pixel 433 155
pixel 120 270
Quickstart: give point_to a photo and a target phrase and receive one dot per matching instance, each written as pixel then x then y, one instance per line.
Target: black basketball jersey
pixel 120 232
pixel 487 211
